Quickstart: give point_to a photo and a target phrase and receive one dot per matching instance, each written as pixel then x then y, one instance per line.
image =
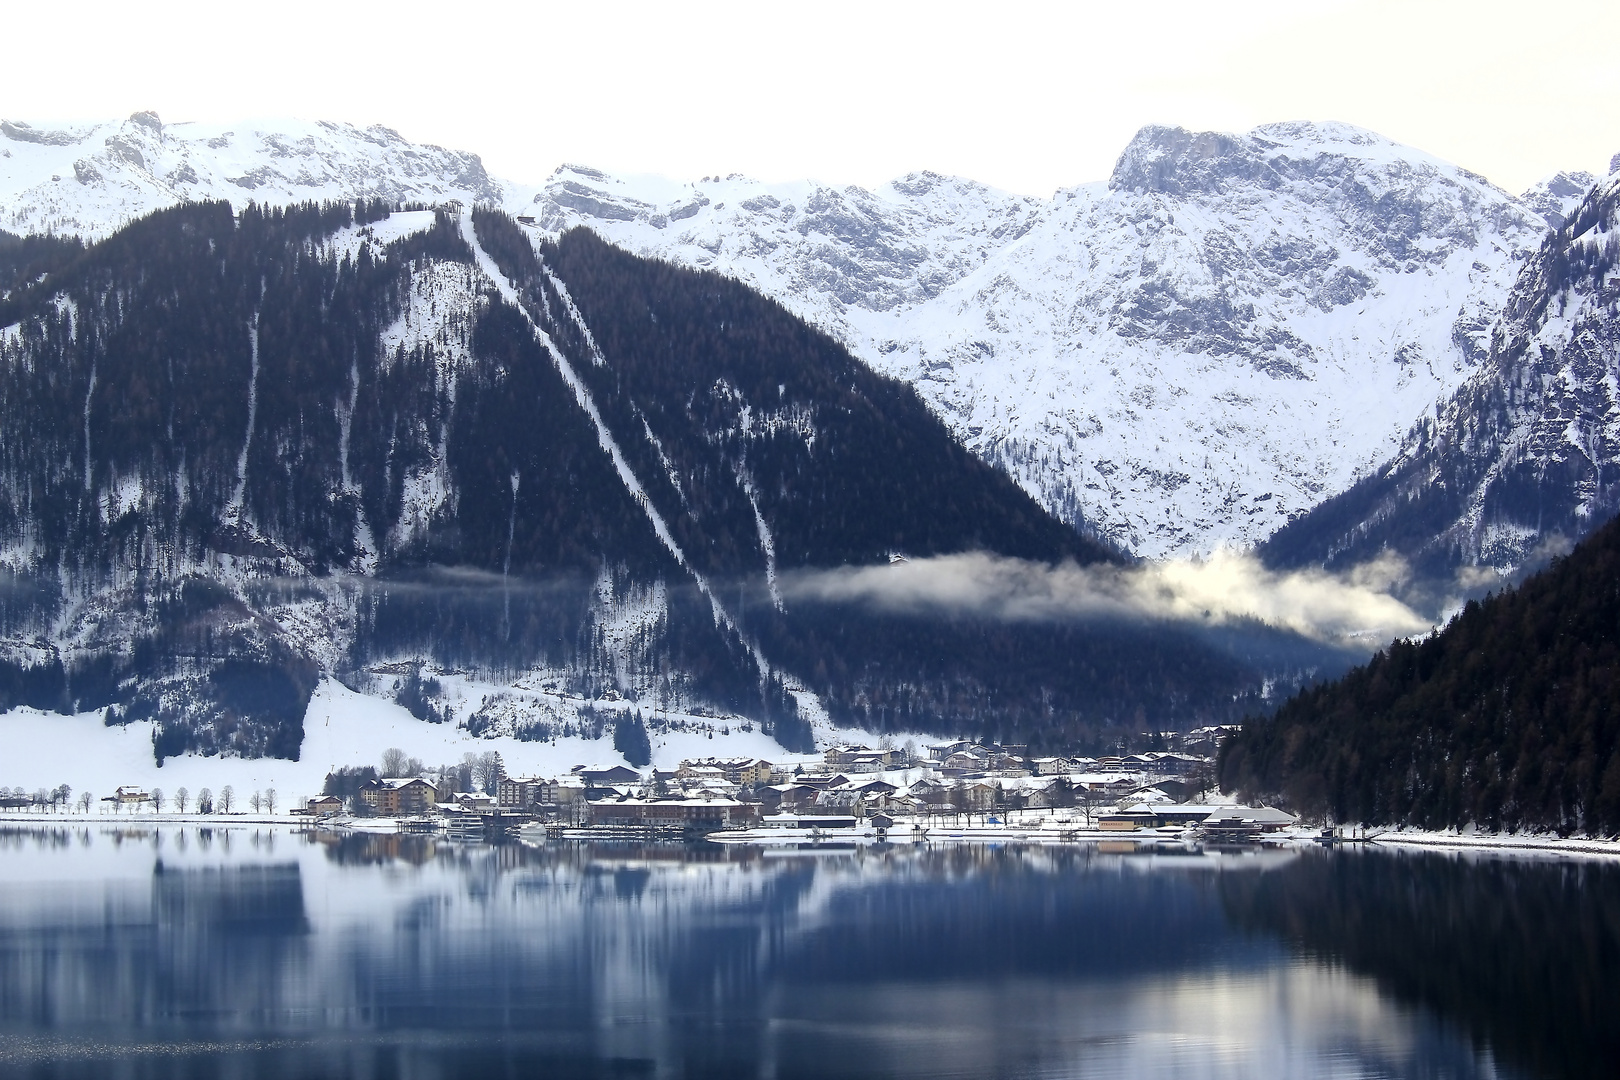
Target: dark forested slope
pixel 1508 718
pixel 240 451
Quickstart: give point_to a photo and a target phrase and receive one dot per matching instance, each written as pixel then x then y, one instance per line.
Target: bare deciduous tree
pixel 270 800
pixel 85 799
pixel 256 801
pixel 181 797
pixel 157 800
pixel 393 762
pixel 227 798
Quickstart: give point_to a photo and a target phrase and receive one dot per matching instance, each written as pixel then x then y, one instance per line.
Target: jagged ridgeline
pixel 1508 718
pixel 241 451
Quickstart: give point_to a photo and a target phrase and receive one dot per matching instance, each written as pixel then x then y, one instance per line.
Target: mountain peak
pixel 1553 197
pixel 1175 161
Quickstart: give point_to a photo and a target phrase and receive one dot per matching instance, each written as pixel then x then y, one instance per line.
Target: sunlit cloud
pixel 1223 588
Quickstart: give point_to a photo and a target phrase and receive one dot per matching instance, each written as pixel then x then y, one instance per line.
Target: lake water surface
pixel 264 952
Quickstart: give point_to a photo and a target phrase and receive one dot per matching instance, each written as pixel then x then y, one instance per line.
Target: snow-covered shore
pixel 1542 843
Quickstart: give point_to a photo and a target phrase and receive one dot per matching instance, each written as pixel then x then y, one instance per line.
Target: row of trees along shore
pixel 205 801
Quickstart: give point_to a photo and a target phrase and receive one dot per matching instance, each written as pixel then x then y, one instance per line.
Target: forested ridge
pixel 1508 718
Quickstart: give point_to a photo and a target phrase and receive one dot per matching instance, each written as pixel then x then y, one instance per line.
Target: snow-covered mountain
pixel 93 179
pixel 1228 330
pixel 1525 456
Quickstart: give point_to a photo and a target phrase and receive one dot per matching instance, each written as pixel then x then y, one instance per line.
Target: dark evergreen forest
pixel 1507 718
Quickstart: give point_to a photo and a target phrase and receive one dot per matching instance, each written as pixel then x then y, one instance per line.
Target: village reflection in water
pixel 258 951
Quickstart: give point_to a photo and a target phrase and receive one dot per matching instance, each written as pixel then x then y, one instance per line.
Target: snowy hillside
pixel 1228 330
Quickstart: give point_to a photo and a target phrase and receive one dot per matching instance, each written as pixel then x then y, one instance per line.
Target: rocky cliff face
pixel 91 180
pixel 1524 458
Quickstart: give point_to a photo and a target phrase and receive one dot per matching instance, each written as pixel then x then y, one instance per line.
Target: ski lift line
pixel 604 437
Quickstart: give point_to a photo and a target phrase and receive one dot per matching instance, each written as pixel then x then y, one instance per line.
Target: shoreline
pixel 1524 843
pixel 1535 843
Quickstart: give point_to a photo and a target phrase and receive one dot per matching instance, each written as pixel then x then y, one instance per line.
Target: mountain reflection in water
pixel 258 952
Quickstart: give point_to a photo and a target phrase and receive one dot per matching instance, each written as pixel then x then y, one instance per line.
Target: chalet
pixel 1045 792
pixel 398 795
pixel 700 774
pixel 931 792
pixel 940 753
pixel 325 805
pixel 129 794
pixel 970 759
pixel 1173 790
pixel 871 794
pixel 1104 783
pixel 711 789
pixel 872 787
pixel 474 802
pixel 980 795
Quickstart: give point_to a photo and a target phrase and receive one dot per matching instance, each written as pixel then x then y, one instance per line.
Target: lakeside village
pixel 957 789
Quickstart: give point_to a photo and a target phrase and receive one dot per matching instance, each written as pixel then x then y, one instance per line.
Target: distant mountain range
pixel 1192 354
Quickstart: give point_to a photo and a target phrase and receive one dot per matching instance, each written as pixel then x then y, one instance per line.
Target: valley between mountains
pixel 287 406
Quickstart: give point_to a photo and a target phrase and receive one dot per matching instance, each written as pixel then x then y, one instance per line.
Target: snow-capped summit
pixel 92 179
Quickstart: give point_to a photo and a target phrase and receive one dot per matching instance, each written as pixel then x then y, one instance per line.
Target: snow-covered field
pixel 342 728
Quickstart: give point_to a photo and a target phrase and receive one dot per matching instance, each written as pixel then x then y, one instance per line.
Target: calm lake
pixel 265 952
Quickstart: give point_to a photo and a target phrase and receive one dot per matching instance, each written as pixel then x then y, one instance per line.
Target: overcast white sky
pixel 1025 96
